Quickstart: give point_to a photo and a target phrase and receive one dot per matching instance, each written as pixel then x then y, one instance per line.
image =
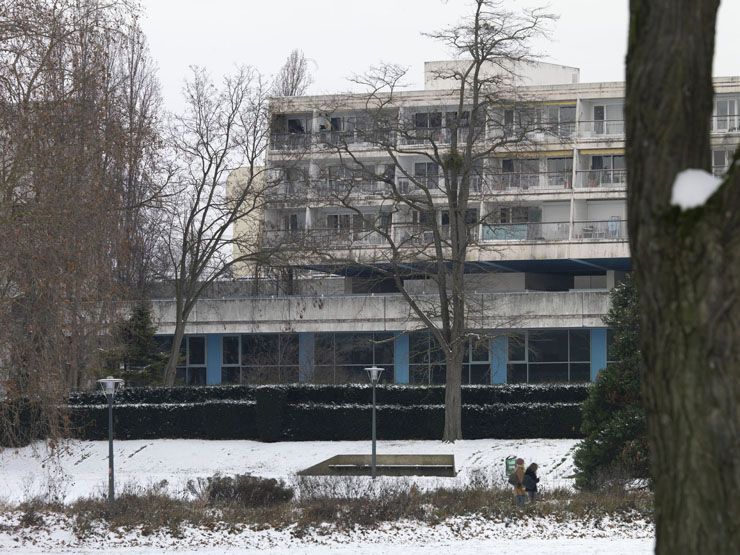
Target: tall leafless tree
pixel 294 77
pixel 221 130
pixel 436 216
pixel 687 264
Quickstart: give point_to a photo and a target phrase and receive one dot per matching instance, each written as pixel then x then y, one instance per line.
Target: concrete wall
pixel 381 312
pixel 529 74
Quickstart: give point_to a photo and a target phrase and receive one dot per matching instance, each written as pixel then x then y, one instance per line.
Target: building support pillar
pixel 598 351
pixel 214 346
pixel 401 357
pixel 499 358
pixel 306 343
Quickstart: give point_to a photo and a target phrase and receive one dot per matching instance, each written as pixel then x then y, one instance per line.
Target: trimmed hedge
pixel 158 395
pixel 500 421
pixel 209 420
pixel 347 394
pixel 326 412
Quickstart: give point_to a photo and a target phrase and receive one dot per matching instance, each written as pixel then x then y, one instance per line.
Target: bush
pixel 247 491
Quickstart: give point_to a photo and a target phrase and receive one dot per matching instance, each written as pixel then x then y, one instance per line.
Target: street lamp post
pixel 109 386
pixel 374 374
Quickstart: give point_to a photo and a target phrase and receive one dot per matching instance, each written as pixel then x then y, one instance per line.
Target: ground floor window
pixel 343 357
pixel 427 360
pixel 263 358
pixel 191 368
pixel 545 356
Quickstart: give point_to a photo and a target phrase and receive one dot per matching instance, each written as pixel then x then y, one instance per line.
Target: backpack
pixel 513 479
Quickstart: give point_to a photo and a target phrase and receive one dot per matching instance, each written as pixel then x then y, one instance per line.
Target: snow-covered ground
pixel 79 469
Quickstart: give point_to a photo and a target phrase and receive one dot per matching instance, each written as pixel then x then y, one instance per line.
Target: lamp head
pixel 374 373
pixel 110 385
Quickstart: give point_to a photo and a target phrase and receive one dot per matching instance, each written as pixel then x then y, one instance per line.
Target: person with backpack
pixel 516 479
pixel 530 481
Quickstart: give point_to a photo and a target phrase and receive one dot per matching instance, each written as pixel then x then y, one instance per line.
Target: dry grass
pixel 341 503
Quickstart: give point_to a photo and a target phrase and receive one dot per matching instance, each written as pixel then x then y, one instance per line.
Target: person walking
pixel 518 482
pixel 529 482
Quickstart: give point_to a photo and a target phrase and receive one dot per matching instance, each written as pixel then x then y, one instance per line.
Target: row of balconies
pixel 414 234
pixel 480 184
pixel 556 132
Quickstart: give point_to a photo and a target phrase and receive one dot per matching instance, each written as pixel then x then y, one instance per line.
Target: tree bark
pixel 687 264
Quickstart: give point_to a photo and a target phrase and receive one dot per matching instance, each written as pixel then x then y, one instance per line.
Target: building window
pixel 721 161
pixel 476 367
pixel 560 172
pixel 231 360
pixel 426 359
pixel 546 356
pixel 265 358
pixel 343 357
pixel 607 170
pixel 192 367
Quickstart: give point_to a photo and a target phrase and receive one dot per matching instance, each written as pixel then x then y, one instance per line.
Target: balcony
pixel 588 179
pixel 613 229
pixel 319 239
pixel 502 183
pixel 597 129
pixel 356 137
pixel 290 141
pixel 527 231
pixel 420 234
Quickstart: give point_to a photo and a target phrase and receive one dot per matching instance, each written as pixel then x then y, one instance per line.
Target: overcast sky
pixel 343 37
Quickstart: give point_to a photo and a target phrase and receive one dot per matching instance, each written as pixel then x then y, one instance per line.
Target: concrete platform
pixel 386 465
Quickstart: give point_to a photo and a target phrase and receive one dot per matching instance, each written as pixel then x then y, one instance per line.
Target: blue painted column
pixel 305 356
pixel 598 351
pixel 401 357
pixel 214 346
pixel 499 358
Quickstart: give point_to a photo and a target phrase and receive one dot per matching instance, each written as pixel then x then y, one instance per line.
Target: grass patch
pixel 324 503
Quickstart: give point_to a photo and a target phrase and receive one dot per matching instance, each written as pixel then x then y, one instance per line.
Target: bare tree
pixel 294 77
pixel 221 130
pixel 687 264
pixel 437 211
pixel 65 144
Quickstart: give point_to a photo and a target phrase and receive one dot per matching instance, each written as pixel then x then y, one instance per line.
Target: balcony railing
pixel 353 187
pixel 290 141
pixel 420 234
pixel 601 128
pixel 409 234
pixel 612 229
pixel 527 231
pixel 498 183
pixel 600 178
pixel 320 238
pixel 356 136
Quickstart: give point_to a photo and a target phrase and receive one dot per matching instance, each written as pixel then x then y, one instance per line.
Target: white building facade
pixel 548 228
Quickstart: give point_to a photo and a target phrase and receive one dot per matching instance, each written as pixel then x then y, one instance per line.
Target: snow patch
pixel 693 187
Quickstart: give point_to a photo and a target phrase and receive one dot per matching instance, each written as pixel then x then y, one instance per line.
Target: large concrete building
pixel 549 240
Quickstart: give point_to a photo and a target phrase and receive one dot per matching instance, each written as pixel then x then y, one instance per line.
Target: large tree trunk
pixel 453 394
pixel 688 269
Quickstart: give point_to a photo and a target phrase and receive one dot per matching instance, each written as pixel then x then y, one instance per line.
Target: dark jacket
pixel 530 481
